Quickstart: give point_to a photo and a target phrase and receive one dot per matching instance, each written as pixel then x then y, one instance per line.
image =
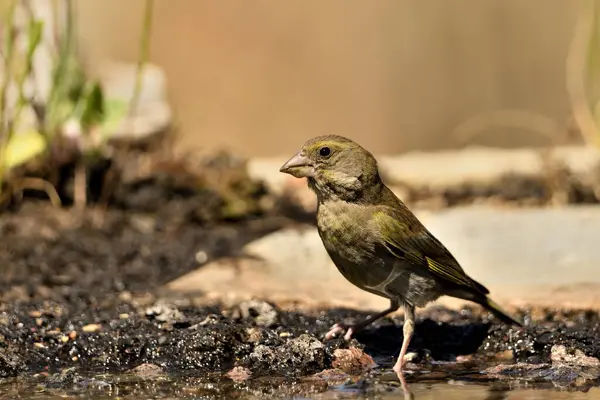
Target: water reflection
pixel 484 392
pixel 171 387
pixel 495 393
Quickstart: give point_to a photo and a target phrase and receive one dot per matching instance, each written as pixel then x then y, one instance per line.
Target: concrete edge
pixel 455 167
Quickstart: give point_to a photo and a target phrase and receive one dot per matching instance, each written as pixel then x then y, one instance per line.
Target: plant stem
pixel 34 32
pixel 41 185
pixel 58 78
pixel 144 54
pixel 10 41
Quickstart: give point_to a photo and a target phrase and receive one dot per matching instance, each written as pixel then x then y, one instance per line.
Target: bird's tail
pixel 498 311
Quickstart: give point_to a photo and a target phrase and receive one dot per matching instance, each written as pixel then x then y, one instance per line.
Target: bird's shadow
pixel 442 341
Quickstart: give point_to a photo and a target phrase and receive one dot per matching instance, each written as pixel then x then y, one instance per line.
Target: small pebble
pixel 239 374
pixel 411 356
pixel 147 370
pixel 91 328
pixel 254 335
pixel 201 257
pixel 504 355
pixel 332 375
pixel 125 296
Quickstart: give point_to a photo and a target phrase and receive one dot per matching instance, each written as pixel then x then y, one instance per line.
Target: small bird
pixel 375 241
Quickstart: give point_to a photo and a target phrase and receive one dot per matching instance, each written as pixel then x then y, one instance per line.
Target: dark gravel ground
pixel 61 342
pixel 79 296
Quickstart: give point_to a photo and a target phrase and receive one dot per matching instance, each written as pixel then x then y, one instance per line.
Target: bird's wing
pixel 407 239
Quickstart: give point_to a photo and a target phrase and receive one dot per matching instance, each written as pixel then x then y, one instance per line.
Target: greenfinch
pixel 375 241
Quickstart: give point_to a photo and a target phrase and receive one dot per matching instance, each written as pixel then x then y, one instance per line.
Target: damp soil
pixel 82 309
pixel 144 343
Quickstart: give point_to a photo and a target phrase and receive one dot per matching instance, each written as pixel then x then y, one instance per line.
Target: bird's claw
pixel 349 333
pixel 399 369
pixel 338 328
pixel 403 366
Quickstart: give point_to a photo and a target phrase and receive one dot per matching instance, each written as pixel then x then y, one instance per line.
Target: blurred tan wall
pixel 259 77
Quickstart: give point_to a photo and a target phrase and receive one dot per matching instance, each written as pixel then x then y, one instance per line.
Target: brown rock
pixel 353 361
pixel 331 375
pixel 504 355
pixel 465 359
pixel 263 313
pixel 147 370
pixel 518 368
pixel 560 355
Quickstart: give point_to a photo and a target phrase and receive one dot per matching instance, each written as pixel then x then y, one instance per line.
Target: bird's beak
pixel 298 166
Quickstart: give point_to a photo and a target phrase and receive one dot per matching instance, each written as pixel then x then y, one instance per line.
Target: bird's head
pixel 336 167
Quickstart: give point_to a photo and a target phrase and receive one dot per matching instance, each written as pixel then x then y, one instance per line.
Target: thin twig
pixel 144 54
pixel 121 152
pixel 60 72
pixel 80 186
pixel 41 185
pixel 34 29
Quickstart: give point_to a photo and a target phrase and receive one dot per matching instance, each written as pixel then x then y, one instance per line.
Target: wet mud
pixel 62 343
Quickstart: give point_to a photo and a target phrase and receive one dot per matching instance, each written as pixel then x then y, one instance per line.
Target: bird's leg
pixel 408 329
pixel 351 329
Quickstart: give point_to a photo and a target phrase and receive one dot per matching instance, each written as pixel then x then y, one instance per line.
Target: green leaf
pixel 35 37
pixel 22 147
pixel 93 107
pixel 115 110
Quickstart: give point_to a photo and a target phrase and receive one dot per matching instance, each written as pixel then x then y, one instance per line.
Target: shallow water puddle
pixel 380 386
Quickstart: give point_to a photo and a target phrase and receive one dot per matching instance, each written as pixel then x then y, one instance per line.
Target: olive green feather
pixel 422 249
pixel 374 240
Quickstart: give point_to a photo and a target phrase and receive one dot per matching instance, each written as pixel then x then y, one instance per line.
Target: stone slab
pixel 453 167
pixel 525 256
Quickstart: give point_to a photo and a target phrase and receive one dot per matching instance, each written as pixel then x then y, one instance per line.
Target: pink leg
pixel 407 393
pixel 351 329
pixel 408 330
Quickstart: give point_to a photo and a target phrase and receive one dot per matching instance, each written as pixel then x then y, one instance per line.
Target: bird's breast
pixel 346 235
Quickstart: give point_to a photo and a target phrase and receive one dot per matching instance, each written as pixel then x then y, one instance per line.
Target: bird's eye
pixel 324 151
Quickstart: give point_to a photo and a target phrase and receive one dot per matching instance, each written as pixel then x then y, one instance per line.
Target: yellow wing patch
pixel 419 249
pixel 447 273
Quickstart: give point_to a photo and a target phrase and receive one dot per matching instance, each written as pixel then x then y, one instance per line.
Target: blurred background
pixel 140 147
pixel 260 77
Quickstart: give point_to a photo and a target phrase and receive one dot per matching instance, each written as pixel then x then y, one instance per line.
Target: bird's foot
pixel 406 364
pixel 399 368
pixel 339 328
